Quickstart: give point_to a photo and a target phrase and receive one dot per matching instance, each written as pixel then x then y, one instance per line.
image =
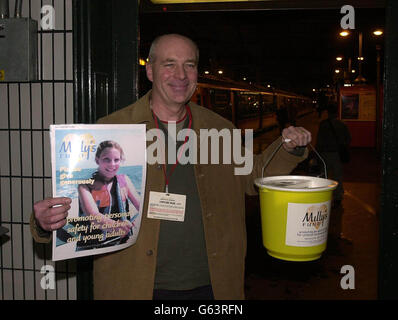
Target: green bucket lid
pixel 296 183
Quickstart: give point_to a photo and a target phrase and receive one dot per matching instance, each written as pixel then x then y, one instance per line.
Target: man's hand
pixel 51 218
pixel 299 137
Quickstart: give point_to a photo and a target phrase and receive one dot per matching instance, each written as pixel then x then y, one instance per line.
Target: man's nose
pixel 180 72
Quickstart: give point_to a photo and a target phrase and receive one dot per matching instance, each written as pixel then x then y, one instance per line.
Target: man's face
pixel 174 72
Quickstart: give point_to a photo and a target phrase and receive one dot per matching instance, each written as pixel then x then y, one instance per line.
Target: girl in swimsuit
pixel 109 194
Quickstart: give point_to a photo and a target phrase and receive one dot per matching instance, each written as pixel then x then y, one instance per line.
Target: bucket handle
pixel 283 140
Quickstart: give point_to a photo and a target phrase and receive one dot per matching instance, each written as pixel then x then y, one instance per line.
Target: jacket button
pixel 149 253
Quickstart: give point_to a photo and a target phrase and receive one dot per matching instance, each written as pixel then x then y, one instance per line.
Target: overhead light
pixel 220 72
pixel 244 78
pixel 344 33
pixel 361 58
pixel 378 32
pixel 207 72
pixel 339 58
pixel 353 71
pixel 268 86
pixel 337 71
pixel 142 62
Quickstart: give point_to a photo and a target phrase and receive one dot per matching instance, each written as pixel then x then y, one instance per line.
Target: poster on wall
pixel 350 106
pixel 367 106
pixel 102 168
pixel 358 104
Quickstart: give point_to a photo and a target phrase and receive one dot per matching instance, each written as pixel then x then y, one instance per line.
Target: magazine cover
pixel 102 168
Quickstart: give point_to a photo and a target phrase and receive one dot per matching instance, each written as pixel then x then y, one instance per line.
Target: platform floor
pixel 270 278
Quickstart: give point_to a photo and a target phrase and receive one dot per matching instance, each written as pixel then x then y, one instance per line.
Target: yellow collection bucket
pixel 295 213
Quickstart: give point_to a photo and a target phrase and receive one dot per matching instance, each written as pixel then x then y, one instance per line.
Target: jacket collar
pixel 200 121
pixel 142 113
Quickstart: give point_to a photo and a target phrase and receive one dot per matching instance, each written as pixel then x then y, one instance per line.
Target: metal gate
pixel 26 111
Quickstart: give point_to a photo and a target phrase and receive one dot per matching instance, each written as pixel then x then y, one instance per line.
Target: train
pixel 250 106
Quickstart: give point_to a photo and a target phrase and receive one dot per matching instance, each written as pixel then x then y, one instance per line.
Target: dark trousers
pixel 200 293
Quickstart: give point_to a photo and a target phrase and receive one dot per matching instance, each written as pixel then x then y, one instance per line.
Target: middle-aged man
pixel 202 257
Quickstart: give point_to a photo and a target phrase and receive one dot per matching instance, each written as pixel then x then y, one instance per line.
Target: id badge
pixel 166 206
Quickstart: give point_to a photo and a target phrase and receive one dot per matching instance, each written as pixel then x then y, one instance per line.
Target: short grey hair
pixel 155 42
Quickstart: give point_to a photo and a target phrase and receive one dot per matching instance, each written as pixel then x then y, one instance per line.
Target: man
pixel 332 133
pixel 204 256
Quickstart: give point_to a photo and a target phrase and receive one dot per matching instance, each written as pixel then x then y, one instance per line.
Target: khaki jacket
pixel 130 273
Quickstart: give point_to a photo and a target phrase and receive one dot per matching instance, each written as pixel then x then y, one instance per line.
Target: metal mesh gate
pixel 26 111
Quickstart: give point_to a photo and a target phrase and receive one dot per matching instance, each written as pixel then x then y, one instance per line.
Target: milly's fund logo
pixel 316 216
pixel 77 147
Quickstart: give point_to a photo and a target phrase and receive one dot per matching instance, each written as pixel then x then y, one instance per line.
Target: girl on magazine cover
pixel 107 199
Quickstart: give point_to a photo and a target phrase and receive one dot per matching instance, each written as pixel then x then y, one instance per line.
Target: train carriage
pixel 249 106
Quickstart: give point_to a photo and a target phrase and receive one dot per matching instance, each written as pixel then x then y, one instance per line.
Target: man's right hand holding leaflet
pixel 51 213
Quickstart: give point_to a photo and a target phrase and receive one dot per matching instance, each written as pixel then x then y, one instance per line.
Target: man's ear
pixel 149 71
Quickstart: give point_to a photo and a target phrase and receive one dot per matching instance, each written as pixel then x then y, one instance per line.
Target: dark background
pixel 292 50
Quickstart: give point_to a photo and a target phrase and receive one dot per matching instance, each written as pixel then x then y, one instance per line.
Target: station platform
pixel 268 278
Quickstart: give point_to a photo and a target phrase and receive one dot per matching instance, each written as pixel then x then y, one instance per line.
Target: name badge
pixel 166 206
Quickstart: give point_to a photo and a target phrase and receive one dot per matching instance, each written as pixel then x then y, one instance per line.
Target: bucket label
pixel 307 224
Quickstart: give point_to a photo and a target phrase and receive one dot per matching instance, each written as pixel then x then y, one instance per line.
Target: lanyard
pixel 167 178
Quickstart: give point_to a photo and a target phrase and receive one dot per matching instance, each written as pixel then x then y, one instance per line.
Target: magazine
pixel 102 168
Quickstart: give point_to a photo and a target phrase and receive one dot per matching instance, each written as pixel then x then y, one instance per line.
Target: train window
pixel 221 102
pixel 248 105
pixel 268 103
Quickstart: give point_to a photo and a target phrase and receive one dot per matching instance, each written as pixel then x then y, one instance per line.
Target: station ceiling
pixel 291 49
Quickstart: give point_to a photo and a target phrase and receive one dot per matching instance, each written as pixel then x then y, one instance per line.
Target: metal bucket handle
pixel 283 140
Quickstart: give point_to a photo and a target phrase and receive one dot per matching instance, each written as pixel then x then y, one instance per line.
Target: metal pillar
pixel 388 253
pixel 106 75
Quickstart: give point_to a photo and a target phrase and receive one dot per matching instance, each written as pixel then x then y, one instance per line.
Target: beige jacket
pixel 130 273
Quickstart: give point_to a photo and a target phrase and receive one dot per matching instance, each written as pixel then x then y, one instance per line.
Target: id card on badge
pixel 166 206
